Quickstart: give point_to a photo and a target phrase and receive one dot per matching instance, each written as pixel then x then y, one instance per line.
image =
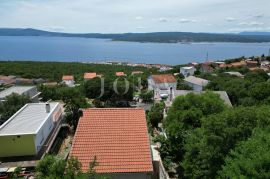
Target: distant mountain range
pixel 255 33
pixel 158 37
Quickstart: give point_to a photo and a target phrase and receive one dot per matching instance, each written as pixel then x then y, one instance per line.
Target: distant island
pixel 155 37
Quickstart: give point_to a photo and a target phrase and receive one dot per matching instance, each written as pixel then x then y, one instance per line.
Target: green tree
pixel 93 88
pixel 51 167
pixel 206 147
pixel 73 168
pixel 147 96
pixel 250 159
pixel 258 76
pixel 155 115
pixel 11 105
pixel 260 91
pixel 184 116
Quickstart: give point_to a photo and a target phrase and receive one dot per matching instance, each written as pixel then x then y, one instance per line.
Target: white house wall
pixel 166 86
pixel 187 72
pixel 195 87
pixel 45 130
pixel 162 86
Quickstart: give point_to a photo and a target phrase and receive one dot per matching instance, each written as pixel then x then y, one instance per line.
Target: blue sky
pixel 117 16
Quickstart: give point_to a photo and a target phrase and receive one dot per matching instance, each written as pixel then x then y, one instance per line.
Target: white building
pixel 27 131
pixel 30 91
pixel 160 83
pixel 195 83
pixel 187 71
pixel 235 73
pixel 68 80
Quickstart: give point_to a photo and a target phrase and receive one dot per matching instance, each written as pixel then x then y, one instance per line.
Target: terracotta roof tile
pixel 90 75
pixel 166 78
pixel 120 74
pixel 67 77
pixel 117 137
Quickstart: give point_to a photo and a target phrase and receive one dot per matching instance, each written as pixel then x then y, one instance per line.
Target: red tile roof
pixel 90 75
pixel 117 137
pixel 120 74
pixel 67 77
pixel 166 78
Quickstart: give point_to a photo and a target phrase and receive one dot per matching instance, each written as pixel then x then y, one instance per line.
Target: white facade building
pixel 68 80
pixel 30 91
pixel 187 71
pixel 195 83
pixel 161 82
pixel 26 132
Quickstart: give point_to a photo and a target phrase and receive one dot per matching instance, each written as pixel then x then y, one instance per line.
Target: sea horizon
pixel 92 50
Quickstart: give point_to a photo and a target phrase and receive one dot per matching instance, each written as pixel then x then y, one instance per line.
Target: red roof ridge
pixel 164 78
pixel 68 77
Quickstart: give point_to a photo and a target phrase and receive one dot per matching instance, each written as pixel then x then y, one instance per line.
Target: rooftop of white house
pixel 197 81
pixel 28 119
pixel 15 89
pixel 187 68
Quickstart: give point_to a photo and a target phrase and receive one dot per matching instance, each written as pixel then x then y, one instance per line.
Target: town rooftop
pixel 117 137
pixel 15 89
pixel 165 78
pixel 27 120
pixel 195 80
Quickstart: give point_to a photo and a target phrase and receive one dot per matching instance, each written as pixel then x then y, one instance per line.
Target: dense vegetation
pixel 253 89
pixel 11 105
pixel 205 138
pixel 53 167
pixel 163 37
pixel 250 158
pixel 55 70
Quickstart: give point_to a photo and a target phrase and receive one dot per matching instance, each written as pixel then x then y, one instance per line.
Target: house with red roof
pixel 161 82
pixel 120 74
pixel 118 139
pixel 89 76
pixel 68 80
pixel 162 85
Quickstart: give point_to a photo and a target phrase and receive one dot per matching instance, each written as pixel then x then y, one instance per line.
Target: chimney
pixel 80 112
pixel 48 107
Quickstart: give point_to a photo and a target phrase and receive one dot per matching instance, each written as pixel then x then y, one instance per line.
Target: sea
pixel 70 49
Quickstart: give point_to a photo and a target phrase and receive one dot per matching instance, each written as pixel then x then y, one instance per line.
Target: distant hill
pixel 255 33
pixel 158 37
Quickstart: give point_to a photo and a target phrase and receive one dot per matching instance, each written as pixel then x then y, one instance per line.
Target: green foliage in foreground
pixel 204 138
pixel 186 114
pixel 206 147
pixel 11 105
pixel 250 159
pixel 147 96
pixel 155 115
pixel 53 167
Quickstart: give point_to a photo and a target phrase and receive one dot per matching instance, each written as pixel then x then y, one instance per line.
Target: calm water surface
pixel 92 50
